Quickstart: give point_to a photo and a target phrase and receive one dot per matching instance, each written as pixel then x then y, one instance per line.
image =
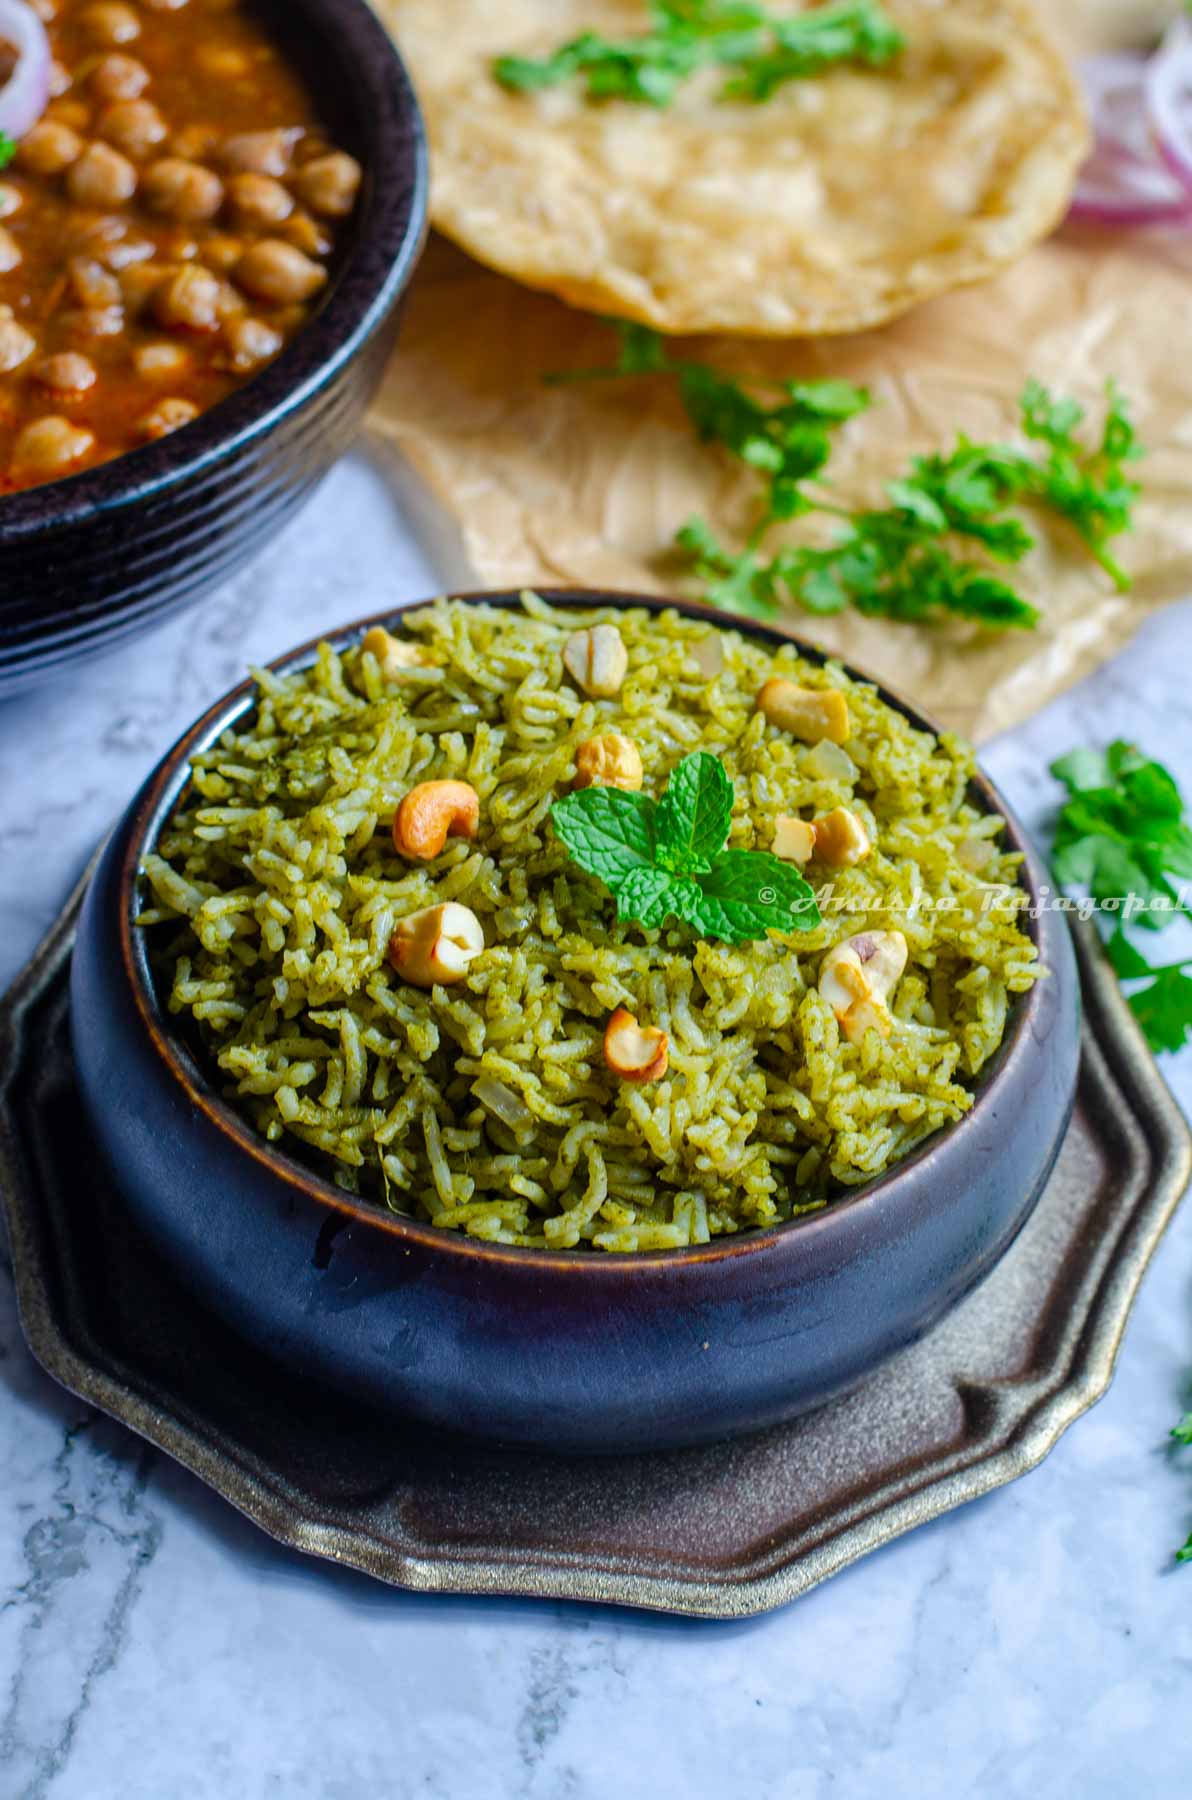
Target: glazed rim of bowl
pixel 388 233
pixel 161 796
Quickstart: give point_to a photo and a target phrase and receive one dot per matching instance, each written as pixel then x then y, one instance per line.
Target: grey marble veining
pixel 155 1646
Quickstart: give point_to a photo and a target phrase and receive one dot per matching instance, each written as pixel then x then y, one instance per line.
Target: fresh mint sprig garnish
pixel 911 559
pixel 761 53
pixel 667 858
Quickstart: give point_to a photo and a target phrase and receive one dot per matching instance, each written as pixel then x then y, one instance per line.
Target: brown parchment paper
pixel 587 484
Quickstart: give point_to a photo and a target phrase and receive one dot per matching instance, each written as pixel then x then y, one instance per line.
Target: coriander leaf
pixel 830 398
pixel 8 149
pixel 1081 768
pixel 853 31
pixel 1127 962
pixel 740 583
pixel 1183 1431
pixel 688 35
pixel 693 816
pixel 646 895
pixel 749 892
pixel 1164 1009
pixel 642 349
pixel 609 832
pixel 902 561
pixel 1089 488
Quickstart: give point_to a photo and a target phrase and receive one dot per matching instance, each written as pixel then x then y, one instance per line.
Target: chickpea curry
pixel 165 228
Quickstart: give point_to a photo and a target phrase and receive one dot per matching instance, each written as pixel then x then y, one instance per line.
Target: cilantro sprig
pixel 667 858
pixel 935 549
pixel 1182 1433
pixel 760 52
pixel 1122 838
pixel 8 149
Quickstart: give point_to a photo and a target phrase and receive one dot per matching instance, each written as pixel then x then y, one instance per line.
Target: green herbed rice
pixel 487 1107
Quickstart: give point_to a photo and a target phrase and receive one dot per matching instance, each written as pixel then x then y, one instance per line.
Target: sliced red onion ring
pixel 1169 101
pixel 24 95
pixel 1125 181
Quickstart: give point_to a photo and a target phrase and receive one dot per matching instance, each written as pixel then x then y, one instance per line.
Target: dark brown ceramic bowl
pixel 569 1350
pixel 87 561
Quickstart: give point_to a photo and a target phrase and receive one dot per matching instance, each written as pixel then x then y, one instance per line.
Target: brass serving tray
pixel 722 1532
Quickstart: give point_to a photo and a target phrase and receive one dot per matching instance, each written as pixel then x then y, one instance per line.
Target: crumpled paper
pixel 586 484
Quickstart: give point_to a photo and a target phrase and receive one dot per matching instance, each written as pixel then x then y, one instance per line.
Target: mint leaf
pixel 609 832
pixel 647 895
pixel 668 858
pixel 693 815
pixel 749 892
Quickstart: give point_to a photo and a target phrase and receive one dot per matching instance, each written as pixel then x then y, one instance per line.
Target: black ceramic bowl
pixel 86 561
pixel 571 1349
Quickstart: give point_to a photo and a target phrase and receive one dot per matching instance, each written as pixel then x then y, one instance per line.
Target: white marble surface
pixel 155 1646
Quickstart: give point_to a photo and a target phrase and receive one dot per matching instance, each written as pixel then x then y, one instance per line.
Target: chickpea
pixel 16 344
pixel 329 184
pixel 260 152
pixel 92 232
pixel 140 281
pixel 10 200
pixel 223 60
pixel 89 322
pixel 74 114
pixel 259 199
pixel 66 372
pixel 60 79
pixel 273 270
pixel 250 342
pixel 110 23
pixel 49 446
pixel 101 177
pixel 157 362
pixel 164 5
pixel 196 143
pixel 118 77
pixel 91 284
pixel 131 250
pixel 48 148
pixel 305 235
pixel 182 190
pixel 134 126
pixel 167 416
pixel 10 251
pixel 177 244
pixel 46 10
pixel 231 303
pixel 221 252
pixel 190 298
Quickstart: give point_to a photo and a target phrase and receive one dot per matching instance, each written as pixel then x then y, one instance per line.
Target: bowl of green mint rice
pixel 571 1020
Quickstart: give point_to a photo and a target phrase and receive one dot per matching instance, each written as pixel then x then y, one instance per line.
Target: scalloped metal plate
pixel 721 1532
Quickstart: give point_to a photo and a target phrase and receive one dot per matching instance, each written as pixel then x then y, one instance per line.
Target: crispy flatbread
pixel 835 205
